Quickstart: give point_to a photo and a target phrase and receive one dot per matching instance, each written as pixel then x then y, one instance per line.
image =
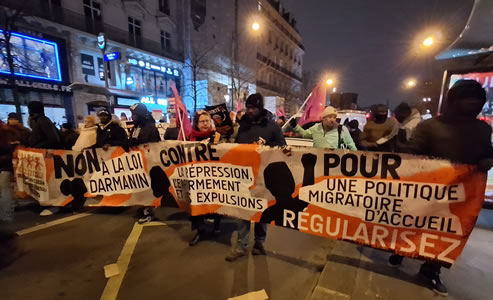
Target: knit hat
pixel 329 110
pixel 13 116
pixel 255 100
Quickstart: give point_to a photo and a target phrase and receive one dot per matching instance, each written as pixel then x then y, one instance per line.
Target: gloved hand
pixel 293 122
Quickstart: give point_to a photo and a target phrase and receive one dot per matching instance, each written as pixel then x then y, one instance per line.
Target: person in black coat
pixel 68 135
pixel 44 133
pixel 109 132
pixel 144 131
pixel 256 127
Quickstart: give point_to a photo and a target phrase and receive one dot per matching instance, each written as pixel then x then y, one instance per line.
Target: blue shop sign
pixel 112 56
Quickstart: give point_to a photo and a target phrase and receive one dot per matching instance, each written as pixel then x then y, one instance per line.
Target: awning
pixel 477 36
pixel 101 90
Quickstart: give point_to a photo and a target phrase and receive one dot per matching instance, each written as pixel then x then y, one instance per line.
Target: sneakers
pixel 235 254
pixel 196 239
pixel 395 261
pixel 49 211
pixel 433 280
pixel 147 216
pixel 258 249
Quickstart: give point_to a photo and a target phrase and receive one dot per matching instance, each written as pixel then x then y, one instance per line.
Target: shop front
pixel 157 106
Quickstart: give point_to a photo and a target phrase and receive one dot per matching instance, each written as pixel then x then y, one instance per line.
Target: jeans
pixel 6 201
pixel 244 232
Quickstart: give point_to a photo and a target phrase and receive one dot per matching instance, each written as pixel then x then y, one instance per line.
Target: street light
pixel 411 83
pixel 429 41
pixel 330 81
pixel 255 26
pixel 334 90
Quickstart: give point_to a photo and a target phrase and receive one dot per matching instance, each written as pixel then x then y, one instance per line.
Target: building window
pixel 165 40
pixel 259 5
pixel 134 30
pixel 164 7
pixel 92 11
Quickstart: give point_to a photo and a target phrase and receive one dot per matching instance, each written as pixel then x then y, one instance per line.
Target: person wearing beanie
pixel 144 131
pixel 408 119
pixel 328 133
pixel 44 134
pixel 68 135
pixel 256 127
pixel 456 135
pixel 109 131
pixel 21 133
pixel 379 131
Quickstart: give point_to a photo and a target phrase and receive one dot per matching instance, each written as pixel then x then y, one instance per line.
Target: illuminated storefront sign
pixel 157 68
pixel 151 100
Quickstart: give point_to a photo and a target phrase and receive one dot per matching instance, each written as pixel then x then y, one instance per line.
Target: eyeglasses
pixel 204 121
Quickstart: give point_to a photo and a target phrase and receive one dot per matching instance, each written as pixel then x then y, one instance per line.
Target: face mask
pixel 380 118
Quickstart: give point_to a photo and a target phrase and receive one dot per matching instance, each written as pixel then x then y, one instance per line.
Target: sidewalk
pixel 357 272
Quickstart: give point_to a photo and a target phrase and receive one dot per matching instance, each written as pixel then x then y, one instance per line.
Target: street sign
pixel 101 41
pixel 112 56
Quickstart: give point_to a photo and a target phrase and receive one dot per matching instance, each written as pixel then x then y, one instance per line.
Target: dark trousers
pixel 198 222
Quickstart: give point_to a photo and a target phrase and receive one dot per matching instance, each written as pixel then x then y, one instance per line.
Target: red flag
pixel 238 105
pixel 315 104
pixel 280 111
pixel 182 121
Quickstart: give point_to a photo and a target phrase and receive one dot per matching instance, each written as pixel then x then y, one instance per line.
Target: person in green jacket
pixel 328 133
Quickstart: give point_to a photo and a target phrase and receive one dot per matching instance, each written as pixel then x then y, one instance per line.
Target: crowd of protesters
pixel 456 135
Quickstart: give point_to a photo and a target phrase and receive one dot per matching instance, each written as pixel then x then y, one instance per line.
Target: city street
pixel 65 257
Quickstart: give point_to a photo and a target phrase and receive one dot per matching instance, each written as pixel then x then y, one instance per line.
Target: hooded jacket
pixel 44 134
pixel 111 134
pixel 266 129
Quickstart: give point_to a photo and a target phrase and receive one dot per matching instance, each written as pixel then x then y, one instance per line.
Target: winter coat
pixel 171 134
pixel 465 142
pixel 6 148
pixel 44 134
pixel 21 134
pixel 265 129
pixel 382 134
pixel 213 136
pixel 69 137
pixel 145 132
pixel 330 139
pixel 87 138
pixel 411 123
pixel 111 134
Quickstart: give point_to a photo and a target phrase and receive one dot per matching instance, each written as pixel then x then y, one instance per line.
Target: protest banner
pixel 410 205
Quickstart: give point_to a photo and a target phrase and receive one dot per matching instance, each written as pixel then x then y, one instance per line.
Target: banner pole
pixel 302 106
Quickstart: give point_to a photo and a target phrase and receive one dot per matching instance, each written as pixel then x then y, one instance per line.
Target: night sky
pixel 370 44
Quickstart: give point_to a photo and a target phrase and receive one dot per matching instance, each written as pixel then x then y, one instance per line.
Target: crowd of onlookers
pixel 456 135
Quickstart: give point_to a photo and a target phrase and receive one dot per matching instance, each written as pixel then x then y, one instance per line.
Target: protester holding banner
pixel 203 131
pixel 44 133
pixel 68 135
pixel 255 128
pixel 144 132
pixel 171 133
pixel 328 133
pixel 109 131
pixel 459 136
pixel 21 133
pixel 87 134
pixel 380 130
pixel 408 119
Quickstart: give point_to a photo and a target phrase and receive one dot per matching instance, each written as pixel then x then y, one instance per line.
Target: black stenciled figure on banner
pixel 160 187
pixel 77 189
pixel 280 182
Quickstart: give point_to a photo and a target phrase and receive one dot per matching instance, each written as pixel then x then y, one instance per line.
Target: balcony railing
pixel 269 62
pixel 80 22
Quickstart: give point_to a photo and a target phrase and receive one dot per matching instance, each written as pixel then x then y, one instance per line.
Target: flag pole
pixel 302 106
pixel 181 123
